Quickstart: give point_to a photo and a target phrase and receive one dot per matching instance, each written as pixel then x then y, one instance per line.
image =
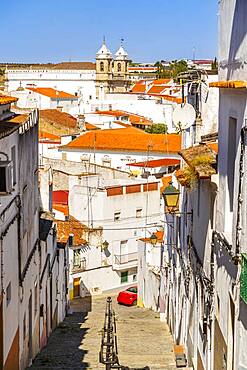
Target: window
pixel 139 212
pixel 13 158
pixel 134 279
pixel 90 97
pixel 231 157
pixel 101 66
pixel 117 216
pixel 119 67
pixel 8 294
pixel 124 277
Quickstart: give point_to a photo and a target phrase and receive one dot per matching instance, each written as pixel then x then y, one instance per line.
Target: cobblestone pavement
pixel 142 339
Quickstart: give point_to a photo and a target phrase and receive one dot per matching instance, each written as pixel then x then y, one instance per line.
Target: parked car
pixel 128 297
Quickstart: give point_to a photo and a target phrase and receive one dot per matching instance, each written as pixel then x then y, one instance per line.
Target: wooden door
pixel 76 287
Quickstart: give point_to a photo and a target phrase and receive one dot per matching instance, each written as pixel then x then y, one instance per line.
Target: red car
pixel 128 297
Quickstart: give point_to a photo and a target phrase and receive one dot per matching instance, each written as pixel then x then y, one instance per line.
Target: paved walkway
pixel 142 339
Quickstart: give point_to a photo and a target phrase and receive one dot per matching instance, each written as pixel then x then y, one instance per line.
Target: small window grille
pixel 117 216
pixel 243 278
pixel 139 213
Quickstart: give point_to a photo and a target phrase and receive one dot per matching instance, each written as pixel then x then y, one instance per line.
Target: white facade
pixel 30 100
pixel 123 210
pixel 81 82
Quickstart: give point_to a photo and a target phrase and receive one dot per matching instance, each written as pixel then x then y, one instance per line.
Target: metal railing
pixel 125 258
pixel 108 354
pixel 79 265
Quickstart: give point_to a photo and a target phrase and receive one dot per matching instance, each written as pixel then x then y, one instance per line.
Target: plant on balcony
pixel 200 167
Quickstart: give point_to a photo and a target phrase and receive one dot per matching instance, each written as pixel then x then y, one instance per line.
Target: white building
pixel 123 210
pixel 19 238
pixel 205 300
pixel 76 78
pixel 45 98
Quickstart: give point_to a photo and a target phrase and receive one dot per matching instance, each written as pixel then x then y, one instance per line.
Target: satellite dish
pixel 184 116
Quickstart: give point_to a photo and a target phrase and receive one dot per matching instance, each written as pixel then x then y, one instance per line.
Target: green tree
pixel 178 66
pixel 162 71
pixel 157 128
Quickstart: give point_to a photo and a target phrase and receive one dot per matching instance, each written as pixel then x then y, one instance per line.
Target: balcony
pixel 125 261
pixel 78 266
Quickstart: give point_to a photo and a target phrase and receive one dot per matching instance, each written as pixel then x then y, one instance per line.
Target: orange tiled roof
pixel 55 116
pixel 229 84
pixel 90 126
pixel 43 135
pixel 133 118
pixel 52 93
pixel 156 90
pixel 61 208
pixel 161 81
pixel 4 99
pixel 157 163
pixel 71 226
pixel 115 113
pixel 126 139
pixel 139 88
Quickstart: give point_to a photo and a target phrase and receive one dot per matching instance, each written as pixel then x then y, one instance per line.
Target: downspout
pixel 237 257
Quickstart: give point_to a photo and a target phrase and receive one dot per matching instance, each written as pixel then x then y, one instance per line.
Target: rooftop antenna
pixel 104 39
pixel 194 53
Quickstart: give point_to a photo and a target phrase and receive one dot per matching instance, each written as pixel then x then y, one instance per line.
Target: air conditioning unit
pixel 6 178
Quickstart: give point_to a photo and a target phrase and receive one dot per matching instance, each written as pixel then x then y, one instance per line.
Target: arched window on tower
pixel 101 66
pixel 119 67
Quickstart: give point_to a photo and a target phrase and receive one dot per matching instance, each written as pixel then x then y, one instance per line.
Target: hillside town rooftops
pixel 52 93
pixel 125 139
pixel 156 89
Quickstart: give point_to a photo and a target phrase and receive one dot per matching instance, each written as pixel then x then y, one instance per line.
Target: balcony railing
pixel 125 258
pixel 79 265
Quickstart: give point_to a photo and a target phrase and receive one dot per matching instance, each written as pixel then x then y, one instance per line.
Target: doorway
pixel 76 287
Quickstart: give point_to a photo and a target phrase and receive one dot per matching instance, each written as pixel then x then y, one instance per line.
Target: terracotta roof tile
pixel 71 226
pixel 156 90
pixel 157 163
pixel 61 208
pixel 75 65
pixel 126 139
pixel 57 122
pixel 4 99
pixel 162 81
pixel 139 88
pixel 229 84
pixel 46 136
pixel 52 93
pixel 90 126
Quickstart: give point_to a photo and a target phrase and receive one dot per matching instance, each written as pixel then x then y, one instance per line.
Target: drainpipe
pixel 237 256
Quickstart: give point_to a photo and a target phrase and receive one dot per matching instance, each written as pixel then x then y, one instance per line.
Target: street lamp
pixel 153 239
pixel 171 196
pixel 105 245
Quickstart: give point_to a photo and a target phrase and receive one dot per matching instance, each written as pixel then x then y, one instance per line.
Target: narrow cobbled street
pixel 142 339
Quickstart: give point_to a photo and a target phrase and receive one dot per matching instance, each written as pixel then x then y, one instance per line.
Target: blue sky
pixel 62 30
